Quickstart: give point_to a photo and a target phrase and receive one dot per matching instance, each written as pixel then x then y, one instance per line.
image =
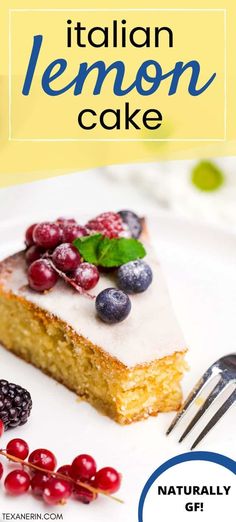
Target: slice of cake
pixel 119 348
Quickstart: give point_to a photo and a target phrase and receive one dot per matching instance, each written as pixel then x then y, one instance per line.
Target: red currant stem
pixel 68 279
pixel 58 475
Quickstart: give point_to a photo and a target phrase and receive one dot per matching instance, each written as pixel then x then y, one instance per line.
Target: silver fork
pixel 225 368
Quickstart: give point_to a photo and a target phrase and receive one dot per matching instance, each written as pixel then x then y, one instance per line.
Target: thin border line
pixel 116 139
pixel 10 138
pixel 225 75
pixel 116 10
pixel 10 78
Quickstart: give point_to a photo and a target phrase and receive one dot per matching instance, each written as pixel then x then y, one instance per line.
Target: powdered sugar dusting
pixel 134 269
pixel 135 276
pixel 86 273
pixel 150 331
pixel 62 251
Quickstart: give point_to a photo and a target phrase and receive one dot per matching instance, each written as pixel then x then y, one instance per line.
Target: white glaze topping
pixel 150 332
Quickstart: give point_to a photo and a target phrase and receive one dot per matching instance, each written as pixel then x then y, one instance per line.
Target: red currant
pixel 38 483
pixel 33 253
pixel 41 275
pixel 84 495
pixel 66 257
pixel 108 480
pixel 57 491
pixel 17 482
pixel 1 470
pixel 1 427
pixel 29 235
pixel 43 458
pixel 18 448
pixel 83 467
pixel 86 275
pixel 47 235
pixel 65 470
pixel 71 231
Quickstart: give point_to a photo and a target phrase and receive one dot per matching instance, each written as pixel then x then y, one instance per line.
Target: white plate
pixel 200 267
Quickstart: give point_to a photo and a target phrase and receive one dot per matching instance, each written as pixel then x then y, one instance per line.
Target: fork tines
pixel 225 369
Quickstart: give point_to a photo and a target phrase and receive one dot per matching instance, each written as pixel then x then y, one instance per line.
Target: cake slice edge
pixel 123 393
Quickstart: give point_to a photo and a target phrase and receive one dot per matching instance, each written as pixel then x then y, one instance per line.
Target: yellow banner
pixel 90 86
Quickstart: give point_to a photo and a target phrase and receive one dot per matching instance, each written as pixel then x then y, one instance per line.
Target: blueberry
pixel 112 305
pixel 134 277
pixel 133 222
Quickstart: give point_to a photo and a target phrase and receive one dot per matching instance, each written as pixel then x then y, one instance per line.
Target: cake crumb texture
pixel 126 394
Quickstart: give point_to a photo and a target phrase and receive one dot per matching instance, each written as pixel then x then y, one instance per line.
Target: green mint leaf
pixel 88 247
pixel 102 251
pixel 207 176
pixel 116 252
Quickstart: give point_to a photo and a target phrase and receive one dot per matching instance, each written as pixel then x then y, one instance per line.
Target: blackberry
pixel 15 404
pixel 133 222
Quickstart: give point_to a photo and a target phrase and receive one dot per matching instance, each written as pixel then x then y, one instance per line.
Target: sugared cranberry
pixel 66 257
pixel 71 231
pixel 1 427
pixel 83 467
pixel 33 253
pixel 38 483
pixel 18 448
pixel 108 480
pixel 65 470
pixel 47 235
pixel 86 275
pixel 29 235
pixel 56 491
pixel 84 495
pixel 17 482
pixel 41 275
pixel 43 458
pixel 1 470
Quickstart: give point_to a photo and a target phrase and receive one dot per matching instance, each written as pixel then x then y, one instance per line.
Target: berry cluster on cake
pixel 88 305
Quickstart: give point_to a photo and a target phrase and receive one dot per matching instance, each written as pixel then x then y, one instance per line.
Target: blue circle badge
pixel 197 485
